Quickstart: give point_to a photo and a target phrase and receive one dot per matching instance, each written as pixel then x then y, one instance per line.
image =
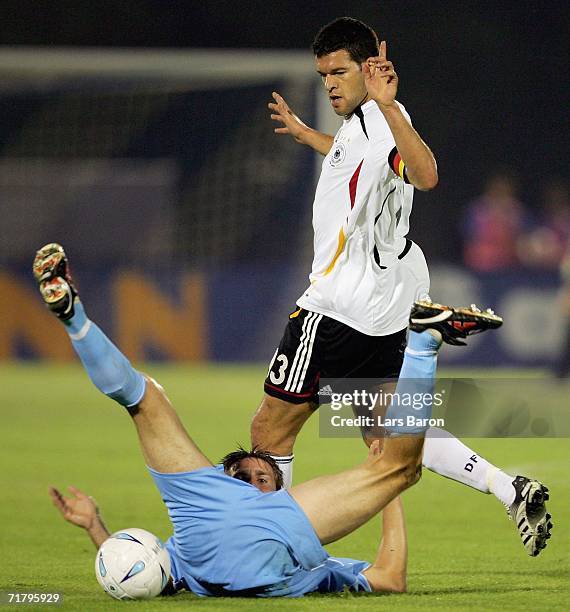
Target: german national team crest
pixel 338 154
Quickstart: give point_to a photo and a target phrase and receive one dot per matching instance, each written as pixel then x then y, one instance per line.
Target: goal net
pixel 154 154
pixel 159 161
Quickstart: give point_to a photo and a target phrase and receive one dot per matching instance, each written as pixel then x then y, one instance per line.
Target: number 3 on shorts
pixel 283 363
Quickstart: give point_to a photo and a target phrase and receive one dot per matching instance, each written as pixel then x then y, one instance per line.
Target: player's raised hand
pixel 380 78
pixel 288 120
pixel 80 510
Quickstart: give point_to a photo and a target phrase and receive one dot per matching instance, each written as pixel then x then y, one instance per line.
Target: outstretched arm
pixel 293 126
pixel 388 572
pixel 381 83
pixel 81 510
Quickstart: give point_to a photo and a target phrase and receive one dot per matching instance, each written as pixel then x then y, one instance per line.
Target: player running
pixel 275 548
pixel 351 322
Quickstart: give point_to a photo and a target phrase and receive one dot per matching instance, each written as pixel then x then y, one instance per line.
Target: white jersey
pixel 365 272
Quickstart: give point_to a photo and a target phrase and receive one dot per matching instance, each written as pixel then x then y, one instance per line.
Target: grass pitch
pixel 57 429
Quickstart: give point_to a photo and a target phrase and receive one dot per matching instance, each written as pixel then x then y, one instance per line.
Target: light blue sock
pixel 414 392
pixel 109 370
pixel 423 342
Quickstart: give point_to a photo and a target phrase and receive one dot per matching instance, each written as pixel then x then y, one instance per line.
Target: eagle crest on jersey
pixel 338 154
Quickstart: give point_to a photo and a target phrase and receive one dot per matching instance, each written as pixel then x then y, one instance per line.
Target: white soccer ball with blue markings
pixel 132 564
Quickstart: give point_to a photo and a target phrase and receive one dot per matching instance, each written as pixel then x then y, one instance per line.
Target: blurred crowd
pixel 501 233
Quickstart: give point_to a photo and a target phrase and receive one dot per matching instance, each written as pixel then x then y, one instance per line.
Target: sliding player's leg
pixel 443 453
pixel 447 456
pixel 336 505
pixel 165 443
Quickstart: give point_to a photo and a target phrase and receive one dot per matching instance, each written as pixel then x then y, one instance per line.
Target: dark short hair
pixel 347 33
pixel 239 455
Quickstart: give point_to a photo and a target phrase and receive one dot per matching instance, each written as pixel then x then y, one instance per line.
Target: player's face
pixel 343 80
pixel 256 472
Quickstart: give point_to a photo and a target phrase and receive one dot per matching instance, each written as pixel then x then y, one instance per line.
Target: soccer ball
pixel 132 564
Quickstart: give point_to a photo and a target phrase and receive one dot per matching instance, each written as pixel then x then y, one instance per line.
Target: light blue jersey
pixel 232 539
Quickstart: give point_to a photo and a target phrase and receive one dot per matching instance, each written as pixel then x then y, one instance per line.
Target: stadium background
pixel 151 156
pixel 159 171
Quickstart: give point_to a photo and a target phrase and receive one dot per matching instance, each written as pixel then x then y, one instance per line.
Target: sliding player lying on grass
pixel 230 537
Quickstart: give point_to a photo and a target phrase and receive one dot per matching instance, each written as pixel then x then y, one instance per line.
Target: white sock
pixel 447 456
pixel 285 462
pixel 501 485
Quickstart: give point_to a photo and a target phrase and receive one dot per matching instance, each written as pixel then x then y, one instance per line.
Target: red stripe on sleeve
pixel 352 185
pixel 396 164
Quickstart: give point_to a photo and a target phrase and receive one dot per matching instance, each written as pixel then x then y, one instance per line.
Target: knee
pixel 406 472
pixel 154 396
pixel 412 473
pixel 411 470
pixel 153 387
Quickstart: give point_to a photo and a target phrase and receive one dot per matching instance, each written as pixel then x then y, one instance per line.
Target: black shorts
pixel 315 346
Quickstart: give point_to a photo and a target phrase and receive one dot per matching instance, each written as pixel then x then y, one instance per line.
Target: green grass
pixel 57 429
